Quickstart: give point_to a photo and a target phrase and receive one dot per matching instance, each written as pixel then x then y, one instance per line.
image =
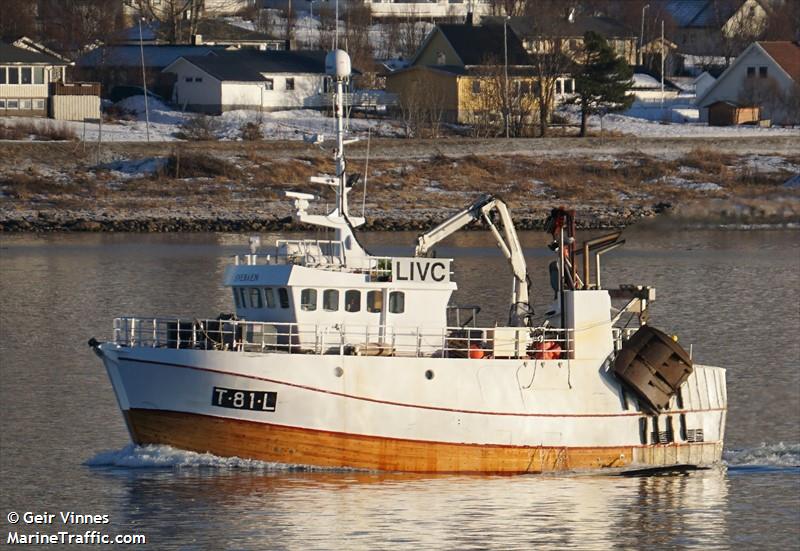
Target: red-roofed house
pixel 767 75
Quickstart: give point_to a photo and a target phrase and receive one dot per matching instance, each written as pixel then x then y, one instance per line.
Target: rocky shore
pixel 411 185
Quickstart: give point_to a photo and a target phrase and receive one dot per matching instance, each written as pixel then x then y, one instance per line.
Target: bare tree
pixel 356 27
pixel 178 18
pixel 72 26
pixel 412 32
pixel 422 107
pixel 783 22
pixel 18 19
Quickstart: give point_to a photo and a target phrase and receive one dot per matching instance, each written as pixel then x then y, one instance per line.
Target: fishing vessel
pixel 338 358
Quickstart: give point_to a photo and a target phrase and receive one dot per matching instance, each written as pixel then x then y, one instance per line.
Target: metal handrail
pixel 375 340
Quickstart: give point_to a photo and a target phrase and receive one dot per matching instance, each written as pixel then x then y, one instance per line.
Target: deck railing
pixel 376 340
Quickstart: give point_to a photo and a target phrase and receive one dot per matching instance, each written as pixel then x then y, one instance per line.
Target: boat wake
pixel 766 455
pixel 167 457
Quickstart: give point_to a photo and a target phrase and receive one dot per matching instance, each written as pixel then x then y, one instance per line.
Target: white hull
pixel 551 404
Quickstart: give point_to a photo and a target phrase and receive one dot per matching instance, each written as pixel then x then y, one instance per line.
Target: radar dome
pixel 337 64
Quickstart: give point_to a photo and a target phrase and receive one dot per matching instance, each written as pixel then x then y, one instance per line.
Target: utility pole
pixel 144 81
pixel 641 37
pixel 662 64
pixel 505 55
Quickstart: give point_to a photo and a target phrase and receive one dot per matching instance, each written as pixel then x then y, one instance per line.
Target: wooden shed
pixel 728 113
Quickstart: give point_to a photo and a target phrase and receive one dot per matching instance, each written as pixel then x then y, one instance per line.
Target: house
pixel 715 27
pixel 133 9
pixel 647 87
pixel 565 34
pixel 32 83
pixel 122 65
pixel 250 79
pixel 431 10
pixel 458 72
pixel 767 75
pixel 702 83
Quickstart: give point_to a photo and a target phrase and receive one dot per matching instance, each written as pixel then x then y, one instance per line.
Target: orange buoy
pixel 475 352
pixel 547 350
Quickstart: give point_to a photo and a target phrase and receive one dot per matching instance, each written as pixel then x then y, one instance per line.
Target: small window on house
pixel 308 299
pixel 255 298
pixel 38 75
pixel 12 104
pixel 569 86
pixel 397 302
pixel 573 44
pixel 13 75
pixel 26 104
pixel 189 79
pixel 558 87
pixel 762 72
pixel 269 296
pixel 476 86
pixel 290 83
pixel 536 89
pixel 441 59
pixel 751 72
pixel 283 297
pixel 26 75
pixel 39 104
pixel 330 300
pixel 352 301
pixel 374 301
pixel 525 88
pixel 198 79
pixel 2 75
pixel 268 84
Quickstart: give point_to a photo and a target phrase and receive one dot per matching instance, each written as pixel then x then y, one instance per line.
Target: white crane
pixel 507 242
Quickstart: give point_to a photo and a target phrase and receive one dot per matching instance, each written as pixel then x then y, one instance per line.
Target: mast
pixel 337 65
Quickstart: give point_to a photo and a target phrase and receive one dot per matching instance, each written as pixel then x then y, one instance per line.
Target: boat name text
pixel 246 277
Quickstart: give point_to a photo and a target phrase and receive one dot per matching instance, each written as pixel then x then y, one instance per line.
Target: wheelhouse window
pixel 308 299
pixel 236 298
pixel 269 296
pixel 352 301
pixel 374 301
pixel 242 296
pixel 255 298
pixel 330 300
pixel 397 302
pixel 283 297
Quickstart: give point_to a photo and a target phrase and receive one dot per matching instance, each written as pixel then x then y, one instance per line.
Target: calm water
pixel 734 295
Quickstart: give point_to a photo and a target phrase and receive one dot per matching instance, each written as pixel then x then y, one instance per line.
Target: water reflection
pixel 334 510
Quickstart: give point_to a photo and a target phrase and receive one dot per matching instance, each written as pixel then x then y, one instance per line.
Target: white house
pixel 249 79
pixel 767 75
pixel 702 83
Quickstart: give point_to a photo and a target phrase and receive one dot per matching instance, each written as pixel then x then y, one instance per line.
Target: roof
pixel 12 54
pixel 786 54
pixel 530 27
pixel 210 29
pixel 130 56
pixel 475 44
pixel 704 13
pixel 248 65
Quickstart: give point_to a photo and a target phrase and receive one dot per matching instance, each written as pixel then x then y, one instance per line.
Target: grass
pixel 46 130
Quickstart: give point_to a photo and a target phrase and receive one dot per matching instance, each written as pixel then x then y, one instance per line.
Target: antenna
pixel 336 33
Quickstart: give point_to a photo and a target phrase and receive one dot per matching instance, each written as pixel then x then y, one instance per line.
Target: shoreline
pixel 412 185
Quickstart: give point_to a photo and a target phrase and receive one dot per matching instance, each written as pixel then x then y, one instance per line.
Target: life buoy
pixel 475 352
pixel 547 350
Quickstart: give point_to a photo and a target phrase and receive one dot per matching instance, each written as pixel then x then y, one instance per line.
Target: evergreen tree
pixel 601 79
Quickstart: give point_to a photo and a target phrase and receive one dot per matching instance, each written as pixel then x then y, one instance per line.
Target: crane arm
pixel 507 242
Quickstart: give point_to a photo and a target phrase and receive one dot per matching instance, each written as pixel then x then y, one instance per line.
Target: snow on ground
pixel 631 125
pixel 683 183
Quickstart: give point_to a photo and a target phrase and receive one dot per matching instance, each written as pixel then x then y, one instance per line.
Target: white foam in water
pixel 772 455
pixel 159 456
